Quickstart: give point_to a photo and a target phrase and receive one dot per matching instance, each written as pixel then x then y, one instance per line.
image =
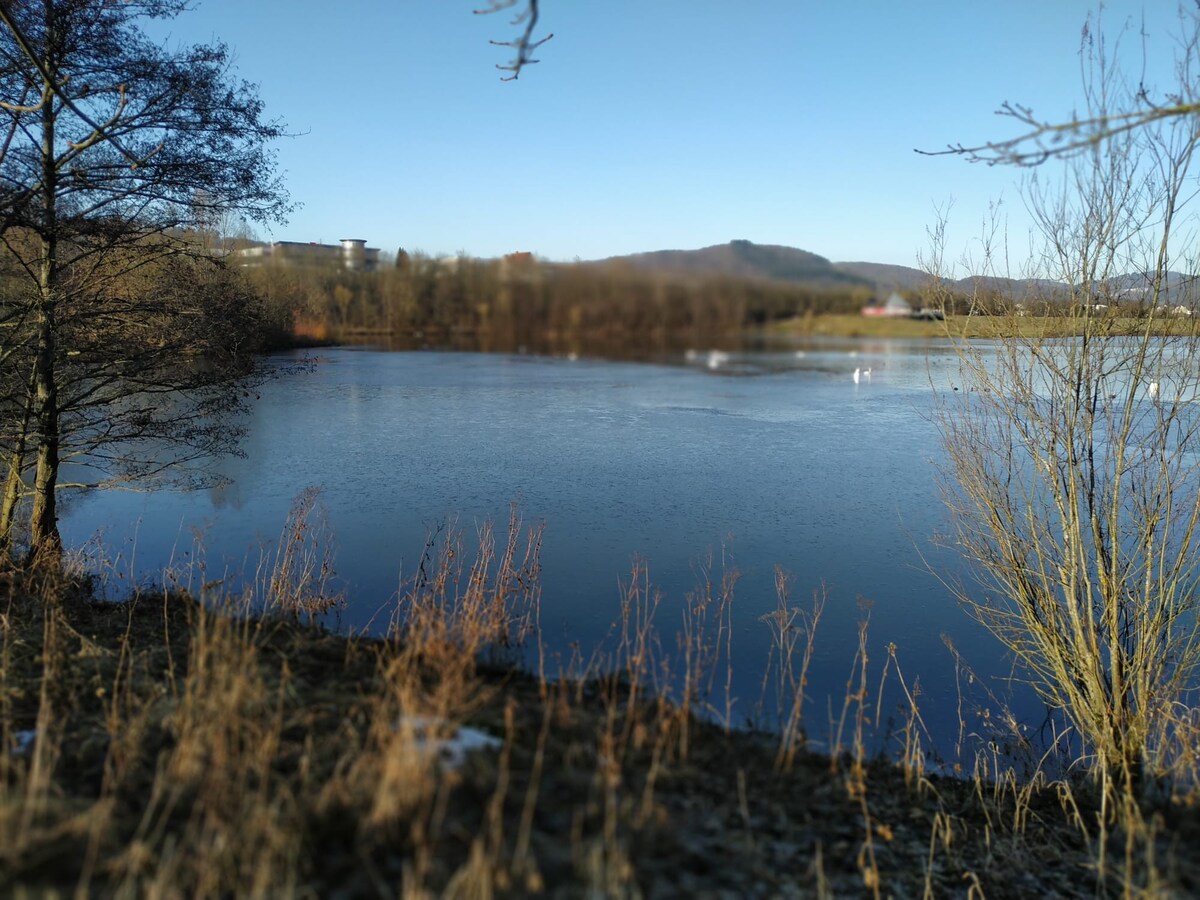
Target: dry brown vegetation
pixel 494 305
pixel 157 351
pixel 180 745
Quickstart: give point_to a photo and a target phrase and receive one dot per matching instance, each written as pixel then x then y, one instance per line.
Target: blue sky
pixel 655 124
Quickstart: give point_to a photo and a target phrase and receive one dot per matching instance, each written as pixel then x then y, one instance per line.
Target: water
pixel 774 458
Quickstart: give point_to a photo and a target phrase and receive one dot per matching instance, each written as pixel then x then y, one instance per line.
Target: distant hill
pixel 884 276
pixel 1012 288
pixel 905 278
pixel 1180 288
pixel 743 259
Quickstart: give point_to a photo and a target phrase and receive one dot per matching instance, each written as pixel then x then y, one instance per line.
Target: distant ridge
pixel 1012 288
pixel 886 277
pixel 743 259
pixel 774 262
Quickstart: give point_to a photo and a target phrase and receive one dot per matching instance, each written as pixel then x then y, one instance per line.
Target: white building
pixel 351 254
pixel 895 307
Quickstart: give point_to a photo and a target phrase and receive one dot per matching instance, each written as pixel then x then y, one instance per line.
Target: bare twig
pixel 1044 139
pixel 525 44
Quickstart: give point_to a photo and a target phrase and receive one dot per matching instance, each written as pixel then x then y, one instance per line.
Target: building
pixel 520 266
pixel 351 254
pixel 894 307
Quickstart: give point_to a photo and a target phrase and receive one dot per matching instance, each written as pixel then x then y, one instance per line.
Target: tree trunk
pixel 8 510
pixel 45 541
pixel 46 544
pixel 12 487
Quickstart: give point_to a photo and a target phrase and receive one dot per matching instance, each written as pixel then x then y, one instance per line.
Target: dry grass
pixel 977 326
pixel 184 746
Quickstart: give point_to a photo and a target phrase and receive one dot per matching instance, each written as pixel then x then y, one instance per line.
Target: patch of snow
pixel 450 750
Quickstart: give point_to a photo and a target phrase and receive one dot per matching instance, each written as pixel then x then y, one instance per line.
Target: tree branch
pixel 525 44
pixel 1059 139
pixel 56 88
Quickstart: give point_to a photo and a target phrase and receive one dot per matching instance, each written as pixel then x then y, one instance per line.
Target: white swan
pixel 857 375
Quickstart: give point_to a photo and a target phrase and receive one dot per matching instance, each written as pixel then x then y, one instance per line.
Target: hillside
pixel 884 276
pixel 1013 288
pixel 773 262
pixel 1180 288
pixel 743 259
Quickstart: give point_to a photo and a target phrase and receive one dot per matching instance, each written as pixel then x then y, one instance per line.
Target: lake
pixel 772 457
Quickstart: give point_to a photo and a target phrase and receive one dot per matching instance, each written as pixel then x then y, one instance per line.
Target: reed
pixel 215 746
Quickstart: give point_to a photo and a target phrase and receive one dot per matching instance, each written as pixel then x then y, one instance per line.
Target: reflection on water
pixel 771 455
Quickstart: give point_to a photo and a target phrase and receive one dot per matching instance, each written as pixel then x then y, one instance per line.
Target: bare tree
pixel 1073 452
pixel 115 149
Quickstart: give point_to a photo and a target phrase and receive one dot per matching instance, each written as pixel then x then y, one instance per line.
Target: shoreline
pixel 823 325
pixel 957 327
pixel 174 741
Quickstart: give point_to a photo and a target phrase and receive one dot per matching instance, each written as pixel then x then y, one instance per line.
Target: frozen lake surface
pixel 772 458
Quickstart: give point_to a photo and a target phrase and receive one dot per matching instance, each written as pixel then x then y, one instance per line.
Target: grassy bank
pixel 990 327
pixel 828 324
pixel 169 747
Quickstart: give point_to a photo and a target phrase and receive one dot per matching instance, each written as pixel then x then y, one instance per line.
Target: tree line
pixel 522 302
